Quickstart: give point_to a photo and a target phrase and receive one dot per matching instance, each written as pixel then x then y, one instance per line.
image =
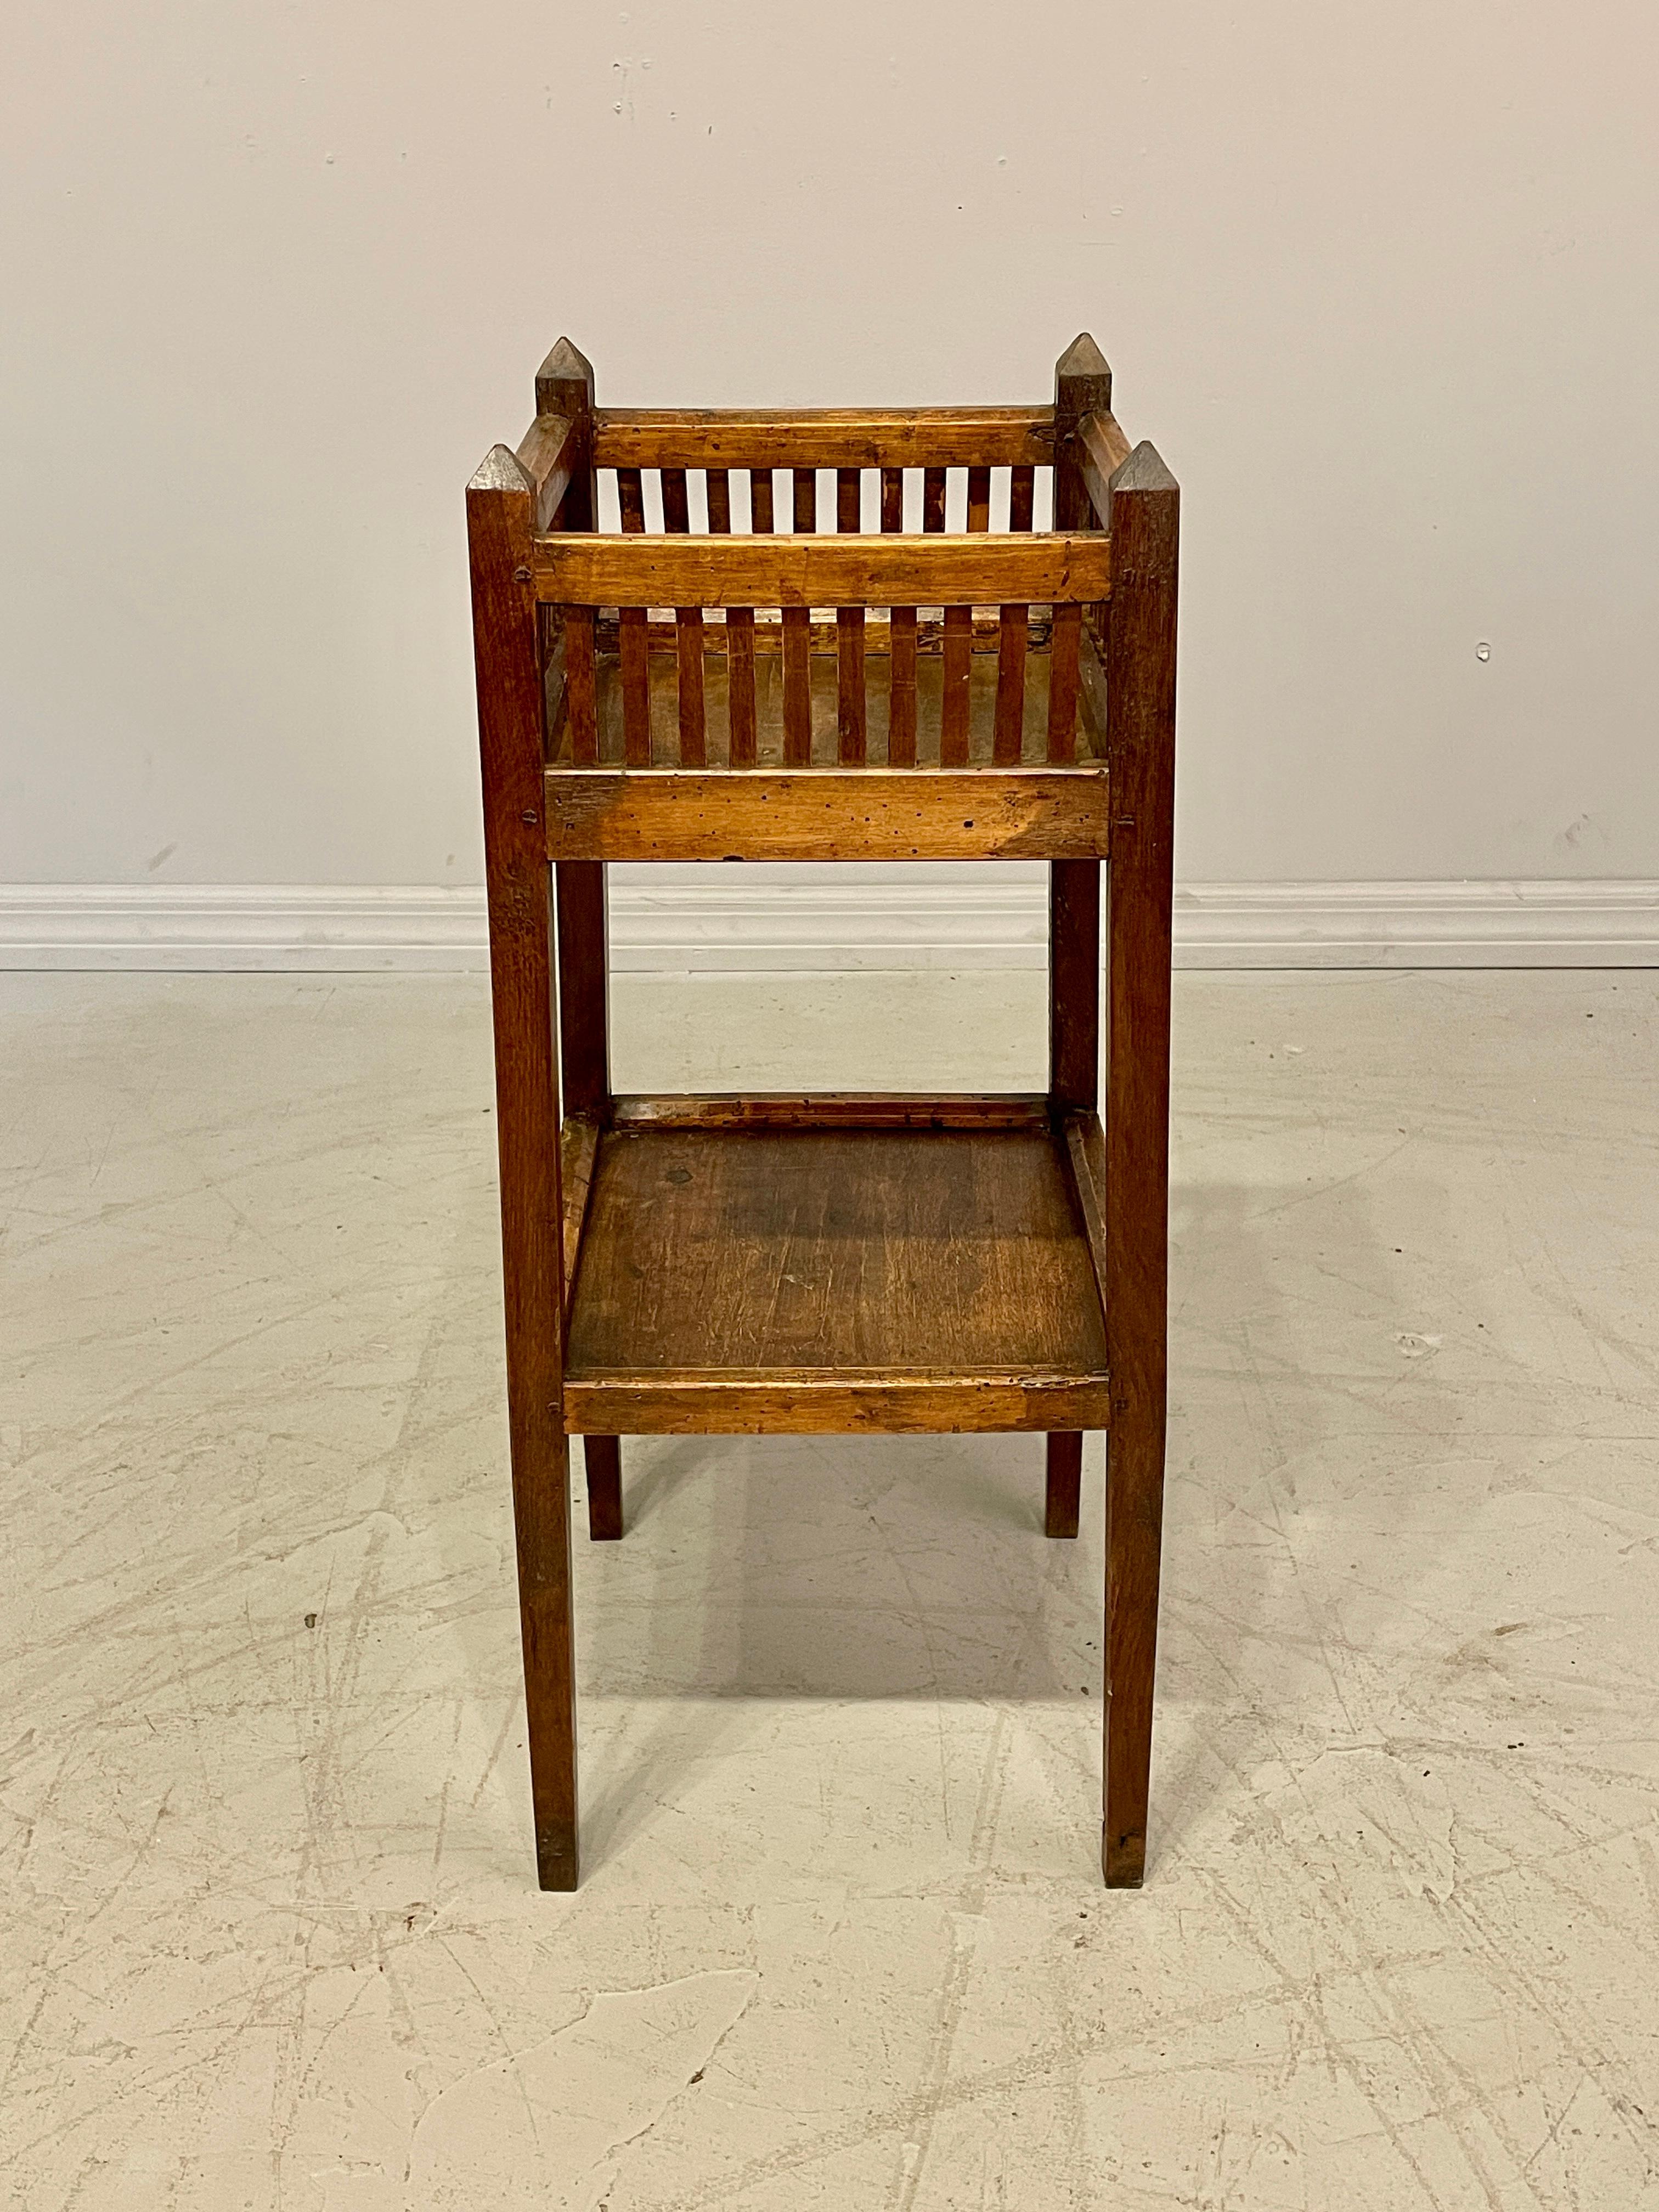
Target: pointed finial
pixel 1143 470
pixel 565 382
pixel 1083 382
pixel 500 470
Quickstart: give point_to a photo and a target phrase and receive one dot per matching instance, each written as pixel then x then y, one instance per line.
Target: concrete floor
pixel 270 1937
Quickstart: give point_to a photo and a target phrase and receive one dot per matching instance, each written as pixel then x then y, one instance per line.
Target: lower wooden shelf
pixel 780 1266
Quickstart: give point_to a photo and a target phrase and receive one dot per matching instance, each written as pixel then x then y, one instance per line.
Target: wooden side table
pixel 760 673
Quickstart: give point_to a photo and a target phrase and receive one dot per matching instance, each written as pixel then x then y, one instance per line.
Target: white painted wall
pixel 1380 283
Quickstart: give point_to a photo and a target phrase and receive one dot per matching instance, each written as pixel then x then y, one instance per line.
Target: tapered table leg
pixel 1064 1484
pixel 605 1507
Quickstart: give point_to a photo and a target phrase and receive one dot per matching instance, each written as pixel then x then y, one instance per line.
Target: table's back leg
pixel 1140 720
pixel 1083 382
pixel 584 1087
pixel 1063 1484
pixel 511 736
pixel 603 1456
pixel 1073 1081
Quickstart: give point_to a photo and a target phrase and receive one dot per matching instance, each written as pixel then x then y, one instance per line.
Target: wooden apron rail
pixel 827 814
pixel 621 569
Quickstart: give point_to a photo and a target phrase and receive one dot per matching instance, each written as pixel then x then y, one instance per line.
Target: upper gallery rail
pixel 822 437
pixel 555 446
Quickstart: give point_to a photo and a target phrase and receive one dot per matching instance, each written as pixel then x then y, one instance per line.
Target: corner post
pixel 511 736
pixel 1140 684
pixel 564 386
pixel 1083 382
pixel 1083 385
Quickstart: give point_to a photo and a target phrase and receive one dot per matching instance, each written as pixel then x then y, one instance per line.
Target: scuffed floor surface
pixel 271 1937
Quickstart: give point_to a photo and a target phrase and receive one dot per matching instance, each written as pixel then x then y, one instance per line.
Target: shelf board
pixel 778 1273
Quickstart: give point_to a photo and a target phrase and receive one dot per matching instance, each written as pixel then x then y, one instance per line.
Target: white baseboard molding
pixel 282 927
pixel 835 920
pixel 1492 924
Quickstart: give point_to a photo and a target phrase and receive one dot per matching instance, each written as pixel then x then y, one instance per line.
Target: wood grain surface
pixel 745 689
pixel 943 570
pixel 1141 692
pixel 552 450
pixel 827 814
pixel 1100 447
pixel 512 706
pixel 1083 386
pixel 579 1146
pixel 822 437
pixel 888 1264
pixel 841 1110
pixel 778 1403
pixel 826 1263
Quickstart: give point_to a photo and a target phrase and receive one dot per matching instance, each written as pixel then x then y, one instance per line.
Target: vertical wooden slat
pixel 850 736
pixel 933 483
pixel 902 690
pixel 688 632
pixel 631 638
pixel 580 703
pixel 1013 631
pixel 954 698
pixel 798 644
pixel 687 636
pixel 1014 635
pixel 740 643
pixel 1140 702
pixel 902 636
pixel 675 502
pixel 1065 639
pixel 953 693
pixel 740 683
pixel 850 712
pixel 512 706
pixel 740 634
pixel 797 687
